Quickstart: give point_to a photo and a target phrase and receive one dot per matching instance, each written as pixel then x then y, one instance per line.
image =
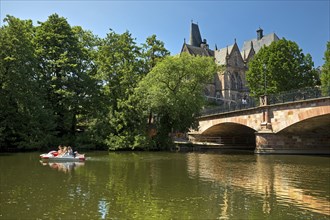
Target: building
pixel 229 84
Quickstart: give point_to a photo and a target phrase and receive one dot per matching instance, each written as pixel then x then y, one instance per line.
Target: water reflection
pixel 279 182
pixel 103 208
pixel 65 167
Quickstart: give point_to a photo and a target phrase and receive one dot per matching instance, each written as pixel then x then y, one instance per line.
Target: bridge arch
pixel 231 134
pixel 209 124
pixel 228 129
pixel 305 119
pixel 318 125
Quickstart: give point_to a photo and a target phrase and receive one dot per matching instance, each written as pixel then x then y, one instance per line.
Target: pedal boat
pixel 53 156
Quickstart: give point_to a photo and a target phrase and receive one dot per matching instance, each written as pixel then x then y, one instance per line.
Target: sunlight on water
pixel 262 177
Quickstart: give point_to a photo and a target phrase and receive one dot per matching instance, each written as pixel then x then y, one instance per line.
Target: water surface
pixel 165 185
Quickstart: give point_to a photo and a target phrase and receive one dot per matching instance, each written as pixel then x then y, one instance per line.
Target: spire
pixel 216 47
pixel 195 35
pixel 227 56
pixel 251 44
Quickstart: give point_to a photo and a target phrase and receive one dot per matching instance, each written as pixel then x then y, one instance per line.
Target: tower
pixel 195 35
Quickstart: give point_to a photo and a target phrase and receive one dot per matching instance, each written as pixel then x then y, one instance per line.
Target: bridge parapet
pixel 271 99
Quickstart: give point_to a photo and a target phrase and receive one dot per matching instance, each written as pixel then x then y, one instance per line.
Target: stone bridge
pixel 301 127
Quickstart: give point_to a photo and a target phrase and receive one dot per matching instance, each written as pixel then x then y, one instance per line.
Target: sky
pixel 220 22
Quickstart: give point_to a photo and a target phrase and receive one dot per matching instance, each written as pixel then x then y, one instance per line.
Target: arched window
pixel 239 83
pixel 236 81
pixel 233 84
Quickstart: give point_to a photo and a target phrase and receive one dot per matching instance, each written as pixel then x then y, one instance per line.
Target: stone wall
pixel 270 143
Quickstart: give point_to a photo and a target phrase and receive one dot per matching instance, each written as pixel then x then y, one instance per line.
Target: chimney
pixel 259 33
pixel 204 44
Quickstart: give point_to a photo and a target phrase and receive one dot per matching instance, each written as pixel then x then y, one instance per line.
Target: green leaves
pixel 325 76
pixel 119 70
pixel 23 118
pixel 173 91
pixel 66 70
pixel 280 67
pixel 153 51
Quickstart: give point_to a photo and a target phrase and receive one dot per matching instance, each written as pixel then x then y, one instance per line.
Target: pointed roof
pixel 221 55
pixel 195 35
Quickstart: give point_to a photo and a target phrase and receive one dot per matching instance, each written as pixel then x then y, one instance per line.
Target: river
pixel 165 185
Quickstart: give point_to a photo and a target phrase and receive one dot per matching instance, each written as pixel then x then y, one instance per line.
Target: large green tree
pixel 119 70
pixel 153 52
pixel 65 69
pixel 24 120
pixel 121 124
pixel 173 91
pixel 281 66
pixel 325 75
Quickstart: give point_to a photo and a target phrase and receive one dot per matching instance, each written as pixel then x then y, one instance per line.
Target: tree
pixel 24 122
pixel 83 94
pixel 66 67
pixel 173 90
pixel 119 69
pixel 280 67
pixel 153 51
pixel 325 76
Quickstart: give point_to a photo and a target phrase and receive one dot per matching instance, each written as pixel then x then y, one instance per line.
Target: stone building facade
pixel 229 84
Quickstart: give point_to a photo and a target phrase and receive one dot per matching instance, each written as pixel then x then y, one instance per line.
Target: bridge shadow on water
pixel 228 151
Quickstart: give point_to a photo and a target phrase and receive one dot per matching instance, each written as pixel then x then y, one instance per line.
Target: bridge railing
pixel 290 96
pixel 298 95
pixel 230 107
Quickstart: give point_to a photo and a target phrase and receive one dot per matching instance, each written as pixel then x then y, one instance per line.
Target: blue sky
pixel 220 22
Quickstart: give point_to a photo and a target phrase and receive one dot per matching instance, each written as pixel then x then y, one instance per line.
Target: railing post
pixel 265 124
pixel 264 100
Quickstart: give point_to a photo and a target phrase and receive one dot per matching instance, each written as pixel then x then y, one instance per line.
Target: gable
pixel 221 55
pixel 235 57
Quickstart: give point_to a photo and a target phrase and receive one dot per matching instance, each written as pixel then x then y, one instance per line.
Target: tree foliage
pixel 58 81
pixel 119 70
pixel 325 75
pixel 65 69
pixel 23 120
pixel 280 67
pixel 121 65
pixel 153 51
pixel 173 91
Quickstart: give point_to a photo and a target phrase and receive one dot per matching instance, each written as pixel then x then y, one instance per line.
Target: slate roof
pixel 220 55
pixel 244 54
pixel 199 51
pixel 195 35
pixel 258 44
